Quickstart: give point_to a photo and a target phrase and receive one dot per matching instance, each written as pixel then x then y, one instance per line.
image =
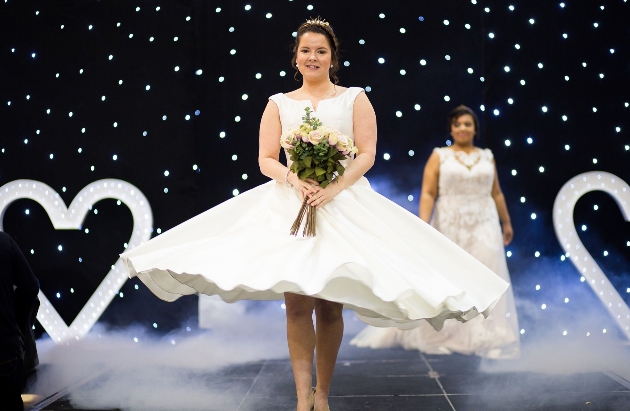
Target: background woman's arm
pixel 504 216
pixel 429 190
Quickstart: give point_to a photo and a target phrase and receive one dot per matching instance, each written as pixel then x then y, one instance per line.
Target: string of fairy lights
pixel 515 92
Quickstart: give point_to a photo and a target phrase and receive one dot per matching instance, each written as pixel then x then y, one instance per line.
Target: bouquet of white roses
pixel 316 152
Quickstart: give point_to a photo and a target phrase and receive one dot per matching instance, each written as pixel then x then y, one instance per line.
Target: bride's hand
pixel 305 188
pixel 324 195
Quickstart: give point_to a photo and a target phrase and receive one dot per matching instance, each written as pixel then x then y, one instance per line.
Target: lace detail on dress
pixel 467 159
pixel 465 211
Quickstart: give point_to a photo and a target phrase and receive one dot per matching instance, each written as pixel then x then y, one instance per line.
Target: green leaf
pixel 340 169
pixel 308 161
pixel 319 171
pixel 324 184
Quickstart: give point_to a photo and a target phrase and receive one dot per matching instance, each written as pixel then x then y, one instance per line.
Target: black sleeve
pixel 24 280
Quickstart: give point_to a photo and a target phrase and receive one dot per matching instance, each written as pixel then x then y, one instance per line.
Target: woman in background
pixel 460 189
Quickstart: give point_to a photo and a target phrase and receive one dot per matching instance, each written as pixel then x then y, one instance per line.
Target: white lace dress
pixel 369 254
pixel 466 213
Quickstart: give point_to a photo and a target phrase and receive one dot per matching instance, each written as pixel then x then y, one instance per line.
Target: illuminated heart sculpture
pixel 568 237
pixel 71 219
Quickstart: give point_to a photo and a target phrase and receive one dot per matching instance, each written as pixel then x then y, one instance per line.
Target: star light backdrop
pixel 167 95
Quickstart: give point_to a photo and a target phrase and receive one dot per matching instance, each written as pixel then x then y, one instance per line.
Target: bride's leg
pixel 301 339
pixel 328 335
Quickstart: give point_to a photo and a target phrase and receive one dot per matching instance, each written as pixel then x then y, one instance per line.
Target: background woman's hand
pixel 508 234
pixel 324 195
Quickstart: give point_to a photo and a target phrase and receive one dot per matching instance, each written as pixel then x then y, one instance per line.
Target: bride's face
pixel 463 129
pixel 313 56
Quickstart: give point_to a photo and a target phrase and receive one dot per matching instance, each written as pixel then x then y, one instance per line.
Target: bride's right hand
pixel 305 188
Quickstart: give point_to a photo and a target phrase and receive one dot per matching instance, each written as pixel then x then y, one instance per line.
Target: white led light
pixel 531 21
pixel 544 109
pixel 564 118
pixel 530 140
pixel 221 79
pixel 268 15
pixel 508 143
pixel 403 72
pixel 446 22
pixel 237 118
pixel 537 254
pixel 234 157
pixel 522 199
pixel 235 192
pixel 417 107
pixel 259 76
pixel 567 147
pixel 565 229
pixel 509 254
pixel 514 172
pixel 594 161
pixel 496 112
pixel 402 30
pixel 381 60
pixel 540 65
pixel 283 73
pixel 222 134
pixel 399 114
pixel 522 82
pixel 491 35
pixel 386 156
pixel 510 101
pixel 361 41
pixel 72 218
pixel 467 26
pixel 543 306
pixel 447 98
pixel 244 96
pixel 541 169
pixel 470 71
pixel 423 62
pixel 533 216
pixel 411 153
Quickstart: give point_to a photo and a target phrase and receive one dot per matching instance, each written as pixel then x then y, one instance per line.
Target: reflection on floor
pixel 400 380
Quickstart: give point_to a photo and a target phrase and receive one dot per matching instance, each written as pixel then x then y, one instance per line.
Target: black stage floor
pixel 395 379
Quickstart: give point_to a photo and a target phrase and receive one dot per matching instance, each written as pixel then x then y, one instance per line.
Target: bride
pixel 469 206
pixel 369 254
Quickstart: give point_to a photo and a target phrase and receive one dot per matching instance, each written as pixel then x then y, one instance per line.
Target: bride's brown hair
pixel 318 25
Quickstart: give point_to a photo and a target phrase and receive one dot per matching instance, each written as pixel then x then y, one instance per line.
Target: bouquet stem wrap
pixel 316 152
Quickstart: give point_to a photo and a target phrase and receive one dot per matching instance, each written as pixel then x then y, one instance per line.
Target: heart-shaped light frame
pixel 72 218
pixel 568 237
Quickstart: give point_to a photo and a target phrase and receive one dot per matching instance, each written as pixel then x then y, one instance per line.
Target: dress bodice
pixel 463 174
pixel 336 112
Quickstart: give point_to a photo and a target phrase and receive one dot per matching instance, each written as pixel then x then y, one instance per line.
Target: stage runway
pixel 395 379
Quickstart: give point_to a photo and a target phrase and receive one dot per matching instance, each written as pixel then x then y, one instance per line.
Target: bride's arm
pixel 364 128
pixel 269 150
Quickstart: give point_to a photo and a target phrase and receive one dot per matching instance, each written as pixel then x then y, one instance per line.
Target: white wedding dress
pixel 369 254
pixel 466 213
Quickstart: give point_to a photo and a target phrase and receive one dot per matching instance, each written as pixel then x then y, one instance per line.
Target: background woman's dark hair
pixel 459 111
pixel 318 26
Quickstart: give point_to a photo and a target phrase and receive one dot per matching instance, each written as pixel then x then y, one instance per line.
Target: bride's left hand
pixel 324 195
